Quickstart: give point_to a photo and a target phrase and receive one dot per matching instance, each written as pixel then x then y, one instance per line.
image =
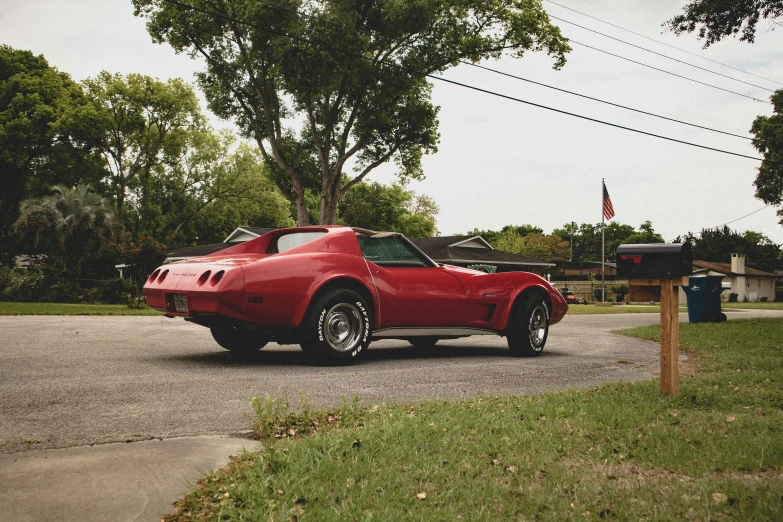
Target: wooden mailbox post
pixel 666 266
pixel 670 330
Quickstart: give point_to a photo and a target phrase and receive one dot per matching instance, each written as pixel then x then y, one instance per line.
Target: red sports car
pixel 334 289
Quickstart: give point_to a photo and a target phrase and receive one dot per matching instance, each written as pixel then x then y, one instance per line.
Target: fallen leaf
pixel 719 498
pixel 731 418
pixel 511 469
pixel 495 462
pixel 421 496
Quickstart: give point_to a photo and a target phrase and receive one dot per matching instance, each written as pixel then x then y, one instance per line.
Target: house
pixel 453 250
pixel 748 283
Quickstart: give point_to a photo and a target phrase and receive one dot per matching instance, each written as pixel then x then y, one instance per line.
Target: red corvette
pixel 334 289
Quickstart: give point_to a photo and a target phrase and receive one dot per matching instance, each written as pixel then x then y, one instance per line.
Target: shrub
pixel 116 291
pixel 39 286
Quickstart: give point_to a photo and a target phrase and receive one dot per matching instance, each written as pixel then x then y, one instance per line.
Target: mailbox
pixel 659 260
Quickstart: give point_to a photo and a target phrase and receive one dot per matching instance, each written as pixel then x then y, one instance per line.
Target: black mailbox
pixel 659 260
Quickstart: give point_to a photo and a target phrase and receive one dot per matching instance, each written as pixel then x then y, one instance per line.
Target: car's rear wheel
pixel 238 339
pixel 423 342
pixel 337 327
pixel 528 327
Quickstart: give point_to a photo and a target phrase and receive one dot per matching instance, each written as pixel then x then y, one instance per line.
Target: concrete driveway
pixel 67 383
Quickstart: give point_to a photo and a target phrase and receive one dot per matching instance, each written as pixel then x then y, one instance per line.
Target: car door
pixel 412 290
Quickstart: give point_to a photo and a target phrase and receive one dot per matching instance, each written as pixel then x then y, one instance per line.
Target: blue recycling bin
pixel 703 295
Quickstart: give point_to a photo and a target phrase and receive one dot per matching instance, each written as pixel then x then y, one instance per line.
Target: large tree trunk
pixel 329 200
pixel 302 219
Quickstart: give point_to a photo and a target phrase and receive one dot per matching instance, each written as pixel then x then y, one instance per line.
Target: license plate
pixel 180 303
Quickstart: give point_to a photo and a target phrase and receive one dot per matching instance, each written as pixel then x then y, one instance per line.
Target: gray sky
pixel 502 162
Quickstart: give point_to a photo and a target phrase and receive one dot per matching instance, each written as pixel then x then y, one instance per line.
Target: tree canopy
pixel 41 141
pixel 717 19
pixel 389 208
pixel 768 139
pixel 328 85
pixel 140 123
pixel 717 244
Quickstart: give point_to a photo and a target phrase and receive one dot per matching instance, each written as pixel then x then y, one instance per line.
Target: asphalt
pixel 111 418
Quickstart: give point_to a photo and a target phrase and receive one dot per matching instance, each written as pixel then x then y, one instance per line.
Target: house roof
pixel 725 268
pixel 253 231
pixel 448 250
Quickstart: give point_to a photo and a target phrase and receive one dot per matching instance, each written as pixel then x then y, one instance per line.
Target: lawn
pixel 620 451
pixel 7 308
pixel 592 309
pixel 754 306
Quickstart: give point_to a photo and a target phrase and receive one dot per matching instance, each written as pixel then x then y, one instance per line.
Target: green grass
pixel 754 306
pixel 7 308
pixel 621 451
pixel 593 309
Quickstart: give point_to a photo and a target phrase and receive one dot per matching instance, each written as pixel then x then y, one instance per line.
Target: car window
pixel 293 240
pixel 389 251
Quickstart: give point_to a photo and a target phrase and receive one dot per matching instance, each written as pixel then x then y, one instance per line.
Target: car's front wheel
pixel 528 327
pixel 337 327
pixel 238 339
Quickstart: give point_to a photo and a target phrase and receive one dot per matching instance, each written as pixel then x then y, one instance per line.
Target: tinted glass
pixel 293 240
pixel 389 251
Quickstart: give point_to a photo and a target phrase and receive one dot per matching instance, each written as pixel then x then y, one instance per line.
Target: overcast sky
pixel 502 162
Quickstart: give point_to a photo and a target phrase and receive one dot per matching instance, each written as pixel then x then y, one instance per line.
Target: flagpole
pixel 603 246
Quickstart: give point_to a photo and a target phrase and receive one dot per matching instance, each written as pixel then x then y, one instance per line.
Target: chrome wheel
pixel 343 327
pixel 538 330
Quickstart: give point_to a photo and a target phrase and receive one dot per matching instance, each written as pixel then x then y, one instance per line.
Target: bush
pixel 39 286
pixel 116 291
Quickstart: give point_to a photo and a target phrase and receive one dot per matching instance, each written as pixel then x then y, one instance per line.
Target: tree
pixel 389 208
pixel 143 123
pixel 213 188
pixel 534 244
pixel 717 19
pixel 587 238
pixel 768 139
pixel 70 225
pixel 40 141
pixel 352 74
pixel 717 244
pixel 493 236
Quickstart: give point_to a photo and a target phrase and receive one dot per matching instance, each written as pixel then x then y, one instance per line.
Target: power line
pixel 602 101
pixel 519 100
pixel 432 76
pixel 664 43
pixel 668 72
pixel 743 217
pixel 661 54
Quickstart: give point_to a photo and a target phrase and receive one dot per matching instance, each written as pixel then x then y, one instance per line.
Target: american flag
pixel 608 208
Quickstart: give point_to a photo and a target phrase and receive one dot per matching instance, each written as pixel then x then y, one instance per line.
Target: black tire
pixel 423 342
pixel 238 339
pixel 528 327
pixel 337 327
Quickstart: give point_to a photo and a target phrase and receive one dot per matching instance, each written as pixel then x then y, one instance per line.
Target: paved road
pixel 70 381
pixel 69 384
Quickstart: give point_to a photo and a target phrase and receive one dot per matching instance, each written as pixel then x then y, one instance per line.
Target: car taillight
pixel 217 277
pixel 203 278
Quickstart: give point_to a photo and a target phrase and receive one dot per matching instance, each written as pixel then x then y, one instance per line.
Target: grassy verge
pixel 593 309
pixel 754 306
pixel 7 308
pixel 620 451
